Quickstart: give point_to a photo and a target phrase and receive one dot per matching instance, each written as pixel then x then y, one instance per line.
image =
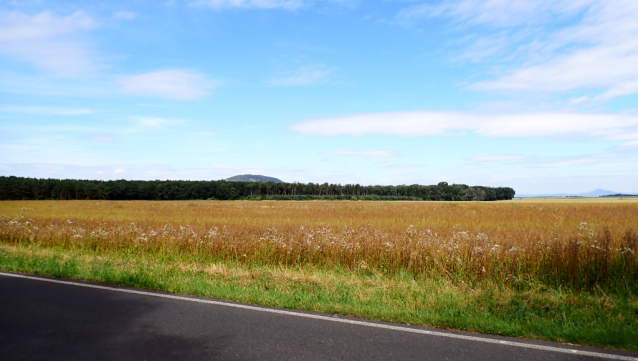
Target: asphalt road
pixel 42 320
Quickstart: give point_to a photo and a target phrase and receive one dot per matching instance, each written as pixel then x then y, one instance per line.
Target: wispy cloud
pixel 496 158
pixel 598 51
pixel 631 144
pixel 623 127
pixel 307 75
pixel 373 153
pixel 267 4
pixel 48 41
pixel 503 13
pixel 153 122
pixel 251 4
pixel 598 160
pixel 176 84
pixel 124 15
pixel 44 110
pixel 100 138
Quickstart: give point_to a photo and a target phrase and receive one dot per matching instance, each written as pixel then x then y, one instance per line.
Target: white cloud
pixel 152 122
pixel 124 15
pixel 497 158
pixel 633 144
pixel 48 41
pixel 373 153
pixel 17 26
pixel 612 67
pixel 172 84
pixel 44 110
pixel 597 160
pixel 497 12
pixel 307 75
pixel 257 4
pixel 264 4
pixel 598 50
pixel 119 171
pixel 422 123
pixel 100 138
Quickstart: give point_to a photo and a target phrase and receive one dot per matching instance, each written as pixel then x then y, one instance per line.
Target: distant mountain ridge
pixel 595 193
pixel 253 178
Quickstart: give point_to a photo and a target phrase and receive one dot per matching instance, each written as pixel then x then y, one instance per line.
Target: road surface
pixel 50 319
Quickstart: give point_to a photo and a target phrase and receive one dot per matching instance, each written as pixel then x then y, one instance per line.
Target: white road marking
pixel 330 318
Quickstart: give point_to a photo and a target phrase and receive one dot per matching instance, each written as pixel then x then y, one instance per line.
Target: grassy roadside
pixel 590 318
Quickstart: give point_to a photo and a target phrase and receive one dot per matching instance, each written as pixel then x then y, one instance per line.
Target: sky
pixel 538 95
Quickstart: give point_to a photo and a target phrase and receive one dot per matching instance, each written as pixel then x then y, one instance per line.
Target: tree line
pixel 20 188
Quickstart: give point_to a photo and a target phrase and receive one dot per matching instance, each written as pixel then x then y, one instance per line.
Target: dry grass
pixel 572 243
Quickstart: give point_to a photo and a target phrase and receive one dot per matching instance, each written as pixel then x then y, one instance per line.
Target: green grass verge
pixel 590 318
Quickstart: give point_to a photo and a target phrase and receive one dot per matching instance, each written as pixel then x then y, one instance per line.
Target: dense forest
pixel 19 188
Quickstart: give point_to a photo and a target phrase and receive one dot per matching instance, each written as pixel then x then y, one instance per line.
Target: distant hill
pixel 253 178
pixel 595 193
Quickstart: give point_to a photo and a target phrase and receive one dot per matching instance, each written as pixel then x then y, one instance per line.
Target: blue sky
pixel 538 95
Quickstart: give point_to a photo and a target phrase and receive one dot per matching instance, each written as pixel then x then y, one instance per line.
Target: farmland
pixel 551 269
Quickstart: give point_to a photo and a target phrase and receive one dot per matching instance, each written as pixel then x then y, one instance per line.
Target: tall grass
pixel 575 245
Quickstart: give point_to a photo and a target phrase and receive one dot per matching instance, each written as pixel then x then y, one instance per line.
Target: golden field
pixel 576 243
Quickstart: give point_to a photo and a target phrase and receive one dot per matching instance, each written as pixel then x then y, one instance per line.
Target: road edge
pixel 322 317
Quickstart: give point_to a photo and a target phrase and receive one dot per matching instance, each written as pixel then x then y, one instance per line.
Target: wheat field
pixel 571 243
